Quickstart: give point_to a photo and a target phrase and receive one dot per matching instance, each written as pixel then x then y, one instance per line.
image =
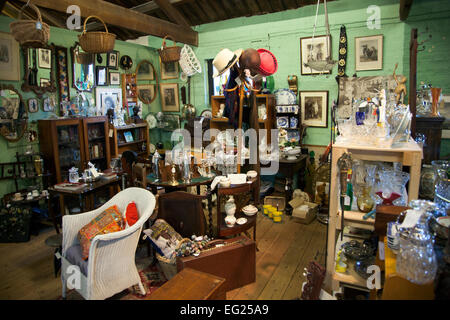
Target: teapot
pixel 73 175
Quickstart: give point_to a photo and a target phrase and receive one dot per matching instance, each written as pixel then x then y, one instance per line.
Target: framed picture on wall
pixel 114 78
pixel 169 70
pixel 112 60
pixel 101 75
pixel 145 71
pixel 146 93
pixel 314 108
pixel 44 82
pixel 315 49
pixel 9 58
pixel 169 97
pixel 108 98
pixel 33 105
pixel 44 58
pixel 62 73
pixel 369 53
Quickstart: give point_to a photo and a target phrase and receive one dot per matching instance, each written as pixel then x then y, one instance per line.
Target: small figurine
pixel 400 90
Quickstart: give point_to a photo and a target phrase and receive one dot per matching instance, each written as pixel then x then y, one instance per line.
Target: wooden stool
pixel 190 284
pixel 55 241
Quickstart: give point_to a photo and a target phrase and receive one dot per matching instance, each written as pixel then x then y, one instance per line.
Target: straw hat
pixel 224 60
pixel 269 64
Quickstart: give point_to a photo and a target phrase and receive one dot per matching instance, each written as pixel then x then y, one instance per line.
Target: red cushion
pixel 131 214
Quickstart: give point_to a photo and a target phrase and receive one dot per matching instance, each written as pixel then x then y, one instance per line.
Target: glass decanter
pixel 392 188
pixel 416 259
pixel 442 184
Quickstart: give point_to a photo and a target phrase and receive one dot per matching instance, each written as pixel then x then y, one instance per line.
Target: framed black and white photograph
pixel 314 108
pixel 101 76
pixel 44 82
pixel 169 70
pixel 369 53
pixel 114 78
pixel 44 58
pixel 9 58
pixel 108 98
pixel 316 49
pixel 112 60
pixel 145 71
pixel 146 93
pixel 172 122
pixel 169 97
pixel 33 105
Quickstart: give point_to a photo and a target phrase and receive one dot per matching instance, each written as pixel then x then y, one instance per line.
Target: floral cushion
pixel 108 221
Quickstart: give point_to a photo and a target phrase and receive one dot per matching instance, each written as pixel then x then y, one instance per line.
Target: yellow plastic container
pixel 277 216
pixel 266 209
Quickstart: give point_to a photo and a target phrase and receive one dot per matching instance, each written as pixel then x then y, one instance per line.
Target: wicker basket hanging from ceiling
pixel 96 41
pixel 30 31
pixel 189 62
pixel 169 54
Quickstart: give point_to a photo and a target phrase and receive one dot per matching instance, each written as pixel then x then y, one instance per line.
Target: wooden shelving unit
pixel 410 155
pixel 140 143
pixel 129 89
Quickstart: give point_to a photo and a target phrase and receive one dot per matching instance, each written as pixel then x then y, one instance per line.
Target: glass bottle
pixel 442 183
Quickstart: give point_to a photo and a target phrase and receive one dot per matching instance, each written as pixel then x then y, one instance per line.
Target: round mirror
pixel 13 114
pixel 147 82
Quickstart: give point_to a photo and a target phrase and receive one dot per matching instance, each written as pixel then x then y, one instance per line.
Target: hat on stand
pixel 224 60
pixel 250 59
pixel 269 64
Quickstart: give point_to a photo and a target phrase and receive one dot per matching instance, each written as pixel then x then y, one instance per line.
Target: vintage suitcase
pixel 232 259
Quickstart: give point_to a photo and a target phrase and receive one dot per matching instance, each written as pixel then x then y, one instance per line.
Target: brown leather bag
pixel 235 261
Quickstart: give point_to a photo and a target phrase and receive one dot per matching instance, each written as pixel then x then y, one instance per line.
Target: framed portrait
pixel 108 98
pixel 314 108
pixel 112 60
pixel 49 104
pixel 314 50
pixel 369 53
pixel 114 78
pixel 44 82
pixel 145 71
pixel 172 122
pixel 33 105
pixel 169 97
pixel 146 93
pixel 169 70
pixel 9 58
pixel 101 76
pixel 44 58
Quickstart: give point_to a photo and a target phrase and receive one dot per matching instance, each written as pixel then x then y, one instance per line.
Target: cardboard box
pixel 306 213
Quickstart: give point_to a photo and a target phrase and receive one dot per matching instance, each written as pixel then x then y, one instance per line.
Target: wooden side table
pixel 190 284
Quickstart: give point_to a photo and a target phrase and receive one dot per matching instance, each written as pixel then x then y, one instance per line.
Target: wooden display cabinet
pixel 129 89
pixel 133 137
pixel 96 142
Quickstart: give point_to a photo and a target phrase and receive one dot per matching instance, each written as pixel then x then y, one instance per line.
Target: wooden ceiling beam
pixel 218 9
pixel 125 18
pixel 210 12
pixel 405 7
pixel 253 6
pixel 172 12
pixel 203 18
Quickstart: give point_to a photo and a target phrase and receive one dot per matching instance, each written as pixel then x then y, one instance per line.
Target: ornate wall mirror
pixel 147 82
pixel 38 76
pixel 13 114
pixel 83 69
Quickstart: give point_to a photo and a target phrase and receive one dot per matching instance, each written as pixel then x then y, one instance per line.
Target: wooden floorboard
pixel 284 251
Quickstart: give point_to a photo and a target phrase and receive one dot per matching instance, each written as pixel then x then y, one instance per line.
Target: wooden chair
pixel 183 211
pixel 127 159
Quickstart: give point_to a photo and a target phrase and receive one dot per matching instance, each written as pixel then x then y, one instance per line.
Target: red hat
pixel 269 64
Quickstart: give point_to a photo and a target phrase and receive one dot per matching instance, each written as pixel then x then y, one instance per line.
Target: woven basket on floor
pixel 169 54
pixel 30 31
pixel 96 41
pixel 169 267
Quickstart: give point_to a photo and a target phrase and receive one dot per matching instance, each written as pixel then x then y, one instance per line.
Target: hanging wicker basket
pixel 96 41
pixel 169 54
pixel 30 31
pixel 189 62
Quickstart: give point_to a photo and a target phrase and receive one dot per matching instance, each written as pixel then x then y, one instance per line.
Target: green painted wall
pixel 66 38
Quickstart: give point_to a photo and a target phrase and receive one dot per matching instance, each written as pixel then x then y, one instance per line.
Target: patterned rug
pixel 152 278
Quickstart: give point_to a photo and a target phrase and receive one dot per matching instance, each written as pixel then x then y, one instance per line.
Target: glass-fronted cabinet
pixel 96 141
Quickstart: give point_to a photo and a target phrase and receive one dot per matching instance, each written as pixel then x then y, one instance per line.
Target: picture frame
pixel 9 58
pixel 48 104
pixel 112 60
pixel 128 136
pixel 145 71
pixel 33 105
pixel 169 70
pixel 172 122
pixel 170 101
pixel 369 53
pixel 101 76
pixel 114 78
pixel 315 49
pixel 62 72
pixel 44 82
pixel 108 98
pixel 146 93
pixel 314 108
pixel 44 58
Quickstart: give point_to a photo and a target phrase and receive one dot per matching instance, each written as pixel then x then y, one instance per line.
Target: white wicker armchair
pixel 111 265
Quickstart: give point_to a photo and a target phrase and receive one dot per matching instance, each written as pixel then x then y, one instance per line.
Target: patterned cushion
pixel 164 237
pixel 108 221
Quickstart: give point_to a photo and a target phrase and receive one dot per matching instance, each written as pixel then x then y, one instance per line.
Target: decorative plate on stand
pixel 285 96
pixel 206 114
pixel 151 120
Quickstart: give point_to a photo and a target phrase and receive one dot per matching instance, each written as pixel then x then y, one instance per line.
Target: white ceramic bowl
pixel 250 210
pixel 252 174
